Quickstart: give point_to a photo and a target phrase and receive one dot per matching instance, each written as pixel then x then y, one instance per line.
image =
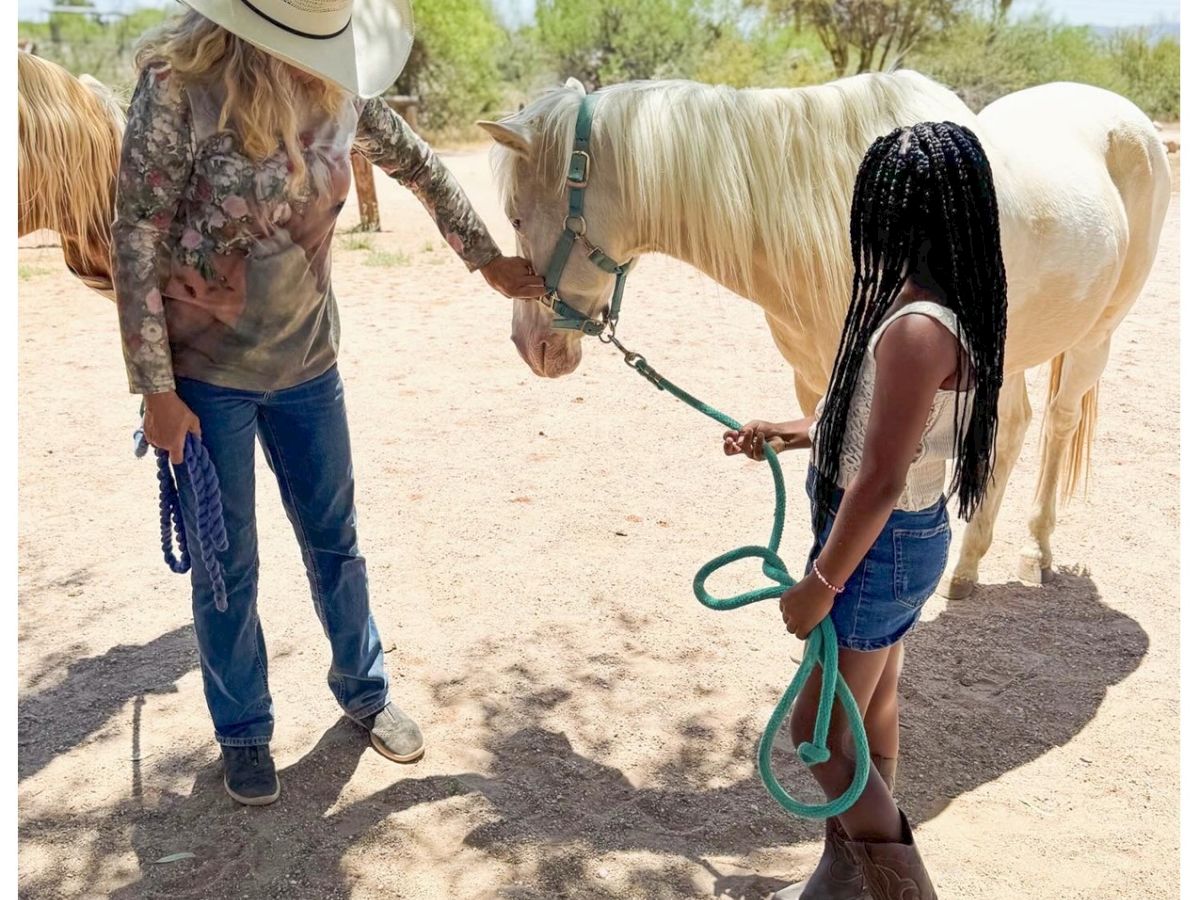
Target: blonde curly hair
pixel 264 96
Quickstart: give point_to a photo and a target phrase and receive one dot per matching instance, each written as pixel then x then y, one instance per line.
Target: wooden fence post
pixel 364 176
pixel 364 186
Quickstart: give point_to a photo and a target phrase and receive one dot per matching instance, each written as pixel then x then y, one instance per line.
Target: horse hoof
pixel 956 587
pixel 1030 568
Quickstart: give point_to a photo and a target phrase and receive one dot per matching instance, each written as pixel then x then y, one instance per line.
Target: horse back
pixel 1082 175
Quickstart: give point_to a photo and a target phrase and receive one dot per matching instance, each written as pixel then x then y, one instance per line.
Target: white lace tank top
pixel 927 474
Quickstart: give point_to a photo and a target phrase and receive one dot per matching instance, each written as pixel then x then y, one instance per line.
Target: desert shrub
pixel 454 67
pixel 620 40
pixel 764 55
pixel 465 65
pixel 81 45
pixel 983 60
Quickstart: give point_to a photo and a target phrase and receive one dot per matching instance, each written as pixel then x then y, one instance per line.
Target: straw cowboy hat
pixel 360 44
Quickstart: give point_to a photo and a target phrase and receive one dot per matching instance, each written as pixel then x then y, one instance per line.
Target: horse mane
pixel 69 145
pixel 728 177
pixel 108 99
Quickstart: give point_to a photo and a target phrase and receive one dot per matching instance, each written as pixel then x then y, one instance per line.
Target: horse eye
pixel 516 224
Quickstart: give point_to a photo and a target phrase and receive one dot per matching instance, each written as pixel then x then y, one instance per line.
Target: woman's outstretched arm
pixel 387 141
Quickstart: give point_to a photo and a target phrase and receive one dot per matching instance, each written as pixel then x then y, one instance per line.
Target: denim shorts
pixel 883 598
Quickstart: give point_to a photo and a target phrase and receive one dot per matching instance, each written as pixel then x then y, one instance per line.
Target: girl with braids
pixel 915 384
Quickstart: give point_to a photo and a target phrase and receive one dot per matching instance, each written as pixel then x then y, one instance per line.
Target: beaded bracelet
pixel 825 581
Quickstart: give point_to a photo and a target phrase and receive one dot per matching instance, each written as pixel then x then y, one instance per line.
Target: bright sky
pixel 1079 12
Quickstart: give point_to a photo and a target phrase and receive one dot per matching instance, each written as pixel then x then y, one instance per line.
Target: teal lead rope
pixel 820 650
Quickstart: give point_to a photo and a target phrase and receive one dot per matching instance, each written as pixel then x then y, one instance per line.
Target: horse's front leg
pixel 1013 416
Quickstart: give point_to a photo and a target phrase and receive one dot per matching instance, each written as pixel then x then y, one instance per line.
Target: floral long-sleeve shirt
pixel 221 270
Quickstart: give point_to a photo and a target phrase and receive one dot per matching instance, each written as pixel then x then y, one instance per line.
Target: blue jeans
pixel 304 434
pixel 883 598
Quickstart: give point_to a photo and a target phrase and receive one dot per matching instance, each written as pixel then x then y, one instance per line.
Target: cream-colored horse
pixel 68 148
pixel 753 187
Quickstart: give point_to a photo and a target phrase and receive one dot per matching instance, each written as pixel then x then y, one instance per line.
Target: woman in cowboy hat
pixel 235 165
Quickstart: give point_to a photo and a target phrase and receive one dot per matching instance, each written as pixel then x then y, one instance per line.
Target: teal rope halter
pixel 566 317
pixel 821 647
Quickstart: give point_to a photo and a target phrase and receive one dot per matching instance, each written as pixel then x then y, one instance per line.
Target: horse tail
pixel 1079 450
pixel 68 151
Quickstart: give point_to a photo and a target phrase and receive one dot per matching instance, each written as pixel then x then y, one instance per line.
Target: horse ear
pixel 576 85
pixel 511 135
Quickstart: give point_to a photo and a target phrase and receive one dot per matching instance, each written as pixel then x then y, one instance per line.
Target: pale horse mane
pixel 69 143
pixel 732 178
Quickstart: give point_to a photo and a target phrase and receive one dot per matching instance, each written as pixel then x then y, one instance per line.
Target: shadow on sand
pixel 57 719
pixel 991 684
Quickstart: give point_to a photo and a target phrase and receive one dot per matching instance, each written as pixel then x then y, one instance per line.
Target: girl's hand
pixel 514 277
pixel 752 437
pixel 805 604
pixel 167 423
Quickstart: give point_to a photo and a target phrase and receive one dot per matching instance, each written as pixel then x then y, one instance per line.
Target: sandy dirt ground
pixel 531 546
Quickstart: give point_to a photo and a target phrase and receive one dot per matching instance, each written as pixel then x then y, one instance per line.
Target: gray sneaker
pixel 395 735
pixel 250 775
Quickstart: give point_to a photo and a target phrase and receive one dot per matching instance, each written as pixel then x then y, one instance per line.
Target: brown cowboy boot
pixel 838 875
pixel 894 871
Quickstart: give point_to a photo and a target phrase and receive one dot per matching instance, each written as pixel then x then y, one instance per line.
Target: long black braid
pixel 925 206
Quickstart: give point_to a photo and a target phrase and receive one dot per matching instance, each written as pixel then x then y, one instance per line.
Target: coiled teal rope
pixel 820 649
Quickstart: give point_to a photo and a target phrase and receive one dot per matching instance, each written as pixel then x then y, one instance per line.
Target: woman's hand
pixel 805 604
pixel 514 277
pixel 167 423
pixel 752 437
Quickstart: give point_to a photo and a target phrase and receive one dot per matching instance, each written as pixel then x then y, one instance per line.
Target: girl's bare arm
pixel 780 436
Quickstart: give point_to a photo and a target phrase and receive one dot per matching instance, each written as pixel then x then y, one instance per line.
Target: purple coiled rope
pixel 210 519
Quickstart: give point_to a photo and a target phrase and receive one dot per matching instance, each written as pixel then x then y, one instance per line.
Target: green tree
pixel 982 60
pixel 1148 69
pixel 620 40
pixel 869 35
pixel 762 54
pixel 454 67
pixel 82 44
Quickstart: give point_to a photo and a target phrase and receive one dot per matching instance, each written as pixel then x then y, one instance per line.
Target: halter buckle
pixel 578 232
pixel 579 169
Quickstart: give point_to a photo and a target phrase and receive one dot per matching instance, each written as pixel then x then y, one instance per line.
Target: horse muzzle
pixel 548 353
